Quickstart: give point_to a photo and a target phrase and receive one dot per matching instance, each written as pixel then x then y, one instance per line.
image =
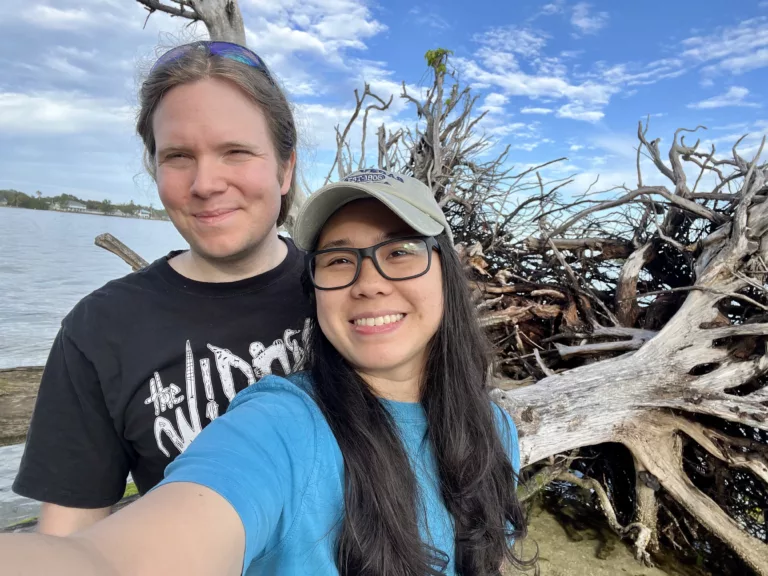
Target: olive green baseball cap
pixel 409 198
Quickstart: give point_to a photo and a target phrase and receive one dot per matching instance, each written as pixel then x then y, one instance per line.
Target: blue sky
pixel 558 79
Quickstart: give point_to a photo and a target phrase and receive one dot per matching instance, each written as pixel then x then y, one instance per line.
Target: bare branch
pixel 181 8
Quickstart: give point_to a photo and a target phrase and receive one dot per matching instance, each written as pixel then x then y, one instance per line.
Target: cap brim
pixel 321 205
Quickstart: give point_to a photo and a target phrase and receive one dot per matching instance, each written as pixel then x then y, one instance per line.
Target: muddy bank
pixel 18 390
pixel 560 555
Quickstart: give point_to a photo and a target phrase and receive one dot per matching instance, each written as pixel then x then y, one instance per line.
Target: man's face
pixel 217 172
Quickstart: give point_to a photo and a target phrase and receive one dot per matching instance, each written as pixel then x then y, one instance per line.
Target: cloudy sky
pixel 560 79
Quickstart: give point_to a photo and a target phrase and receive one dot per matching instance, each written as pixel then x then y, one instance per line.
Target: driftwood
pixel 112 244
pixel 222 18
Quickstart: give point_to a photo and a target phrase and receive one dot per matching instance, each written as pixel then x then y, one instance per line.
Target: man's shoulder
pixel 118 297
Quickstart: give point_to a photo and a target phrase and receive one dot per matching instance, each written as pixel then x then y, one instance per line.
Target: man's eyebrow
pixel 237 144
pixel 168 149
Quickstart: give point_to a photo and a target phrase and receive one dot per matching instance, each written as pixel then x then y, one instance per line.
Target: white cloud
pixel 519 83
pixel 550 9
pixel 308 42
pixel 494 103
pixel 428 18
pixel 512 60
pixel 577 111
pixel 520 129
pixel 528 146
pixel 63 66
pixel 731 49
pixel 746 62
pixel 585 22
pixel 575 147
pixel 734 97
pixel 60 112
pixel 632 74
pixel 531 110
pixel 348 28
pixel 513 39
pixel 59 19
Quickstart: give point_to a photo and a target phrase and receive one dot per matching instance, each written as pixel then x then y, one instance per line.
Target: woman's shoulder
pixel 274 400
pixel 295 388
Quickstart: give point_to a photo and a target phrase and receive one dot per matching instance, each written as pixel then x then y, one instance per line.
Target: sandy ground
pixel 561 556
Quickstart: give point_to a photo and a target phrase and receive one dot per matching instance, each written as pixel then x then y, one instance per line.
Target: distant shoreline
pixel 87 213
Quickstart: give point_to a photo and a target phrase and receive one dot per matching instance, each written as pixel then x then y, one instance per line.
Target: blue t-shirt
pixel 273 457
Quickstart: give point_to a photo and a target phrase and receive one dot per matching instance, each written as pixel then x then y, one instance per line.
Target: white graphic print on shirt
pixel 288 351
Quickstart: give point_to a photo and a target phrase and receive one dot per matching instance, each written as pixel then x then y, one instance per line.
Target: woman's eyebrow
pixel 383 237
pixel 341 243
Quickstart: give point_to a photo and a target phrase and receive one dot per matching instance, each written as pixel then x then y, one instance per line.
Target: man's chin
pixel 228 252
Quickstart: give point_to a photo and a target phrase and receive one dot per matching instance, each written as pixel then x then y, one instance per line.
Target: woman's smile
pixel 377 323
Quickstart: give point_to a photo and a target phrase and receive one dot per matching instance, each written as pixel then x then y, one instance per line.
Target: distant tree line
pixel 40 202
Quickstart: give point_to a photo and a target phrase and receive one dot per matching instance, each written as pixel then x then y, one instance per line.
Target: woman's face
pixel 393 350
pixel 217 171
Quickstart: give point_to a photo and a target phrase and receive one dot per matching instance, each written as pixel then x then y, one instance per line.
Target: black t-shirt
pixel 141 365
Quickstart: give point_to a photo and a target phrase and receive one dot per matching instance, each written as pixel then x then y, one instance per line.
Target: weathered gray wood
pixel 627 399
pixel 222 18
pixel 112 244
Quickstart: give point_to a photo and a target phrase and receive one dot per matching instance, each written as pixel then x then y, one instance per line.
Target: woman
pixel 386 457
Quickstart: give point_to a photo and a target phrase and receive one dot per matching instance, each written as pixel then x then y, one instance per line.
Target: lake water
pixel 48 262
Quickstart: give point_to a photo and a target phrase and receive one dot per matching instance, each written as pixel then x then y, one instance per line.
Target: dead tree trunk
pixel 222 18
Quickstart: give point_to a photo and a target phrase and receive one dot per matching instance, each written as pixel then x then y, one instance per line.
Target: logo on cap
pixel 371 175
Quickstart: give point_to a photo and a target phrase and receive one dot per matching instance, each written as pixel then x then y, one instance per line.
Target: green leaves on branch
pixel 437 60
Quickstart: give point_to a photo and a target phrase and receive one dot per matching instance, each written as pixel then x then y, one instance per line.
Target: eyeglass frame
pixel 222 49
pixel 370 252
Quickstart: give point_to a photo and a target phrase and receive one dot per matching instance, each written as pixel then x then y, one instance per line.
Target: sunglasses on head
pixel 227 50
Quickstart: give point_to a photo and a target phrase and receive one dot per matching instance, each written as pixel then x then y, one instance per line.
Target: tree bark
pixel 222 18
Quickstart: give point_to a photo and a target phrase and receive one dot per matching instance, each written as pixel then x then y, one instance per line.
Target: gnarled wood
pixel 112 244
pixel 222 18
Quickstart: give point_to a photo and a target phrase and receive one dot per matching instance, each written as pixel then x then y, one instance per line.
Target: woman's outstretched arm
pixel 178 529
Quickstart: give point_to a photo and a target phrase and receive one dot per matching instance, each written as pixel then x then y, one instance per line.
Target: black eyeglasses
pixel 228 50
pixel 399 259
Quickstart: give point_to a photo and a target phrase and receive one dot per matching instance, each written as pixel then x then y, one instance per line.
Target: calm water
pixel 48 262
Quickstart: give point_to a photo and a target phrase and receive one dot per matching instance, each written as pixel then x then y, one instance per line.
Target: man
pixel 141 365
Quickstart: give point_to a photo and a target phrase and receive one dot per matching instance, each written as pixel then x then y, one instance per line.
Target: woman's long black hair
pixel 379 531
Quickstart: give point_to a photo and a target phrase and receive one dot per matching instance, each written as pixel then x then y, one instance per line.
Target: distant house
pixel 73 206
pixel 119 213
pixel 3 202
pixel 143 213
